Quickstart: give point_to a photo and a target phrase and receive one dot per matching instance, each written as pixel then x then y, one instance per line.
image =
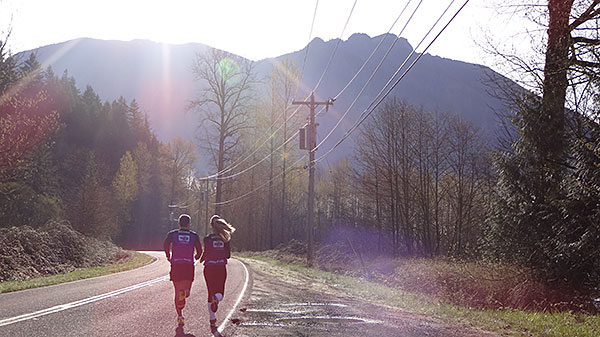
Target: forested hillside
pixel 68 155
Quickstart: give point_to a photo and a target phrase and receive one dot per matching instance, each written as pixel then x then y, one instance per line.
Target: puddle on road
pixel 262 324
pixel 309 304
pixel 329 319
pixel 296 316
pixel 275 311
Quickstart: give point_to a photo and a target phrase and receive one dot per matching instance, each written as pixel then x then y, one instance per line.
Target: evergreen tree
pixel 8 68
pixel 544 211
pixel 94 214
pixel 25 119
pixel 125 188
pixel 580 254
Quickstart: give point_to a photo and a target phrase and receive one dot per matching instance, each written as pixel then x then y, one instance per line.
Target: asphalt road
pixel 133 303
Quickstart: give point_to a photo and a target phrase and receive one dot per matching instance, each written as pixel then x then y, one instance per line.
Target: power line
pixel 312 26
pixel 218 175
pixel 410 55
pixel 375 70
pixel 336 47
pixel 361 68
pixel 374 50
pixel 367 114
pixel 260 161
pixel 291 168
pixel 364 116
pixel 320 111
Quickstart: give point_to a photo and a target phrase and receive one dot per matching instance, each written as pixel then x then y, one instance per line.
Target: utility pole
pixel 201 198
pixel 206 200
pixel 282 222
pixel 311 143
pixel 271 170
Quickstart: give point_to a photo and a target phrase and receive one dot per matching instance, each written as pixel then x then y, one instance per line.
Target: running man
pixel 179 247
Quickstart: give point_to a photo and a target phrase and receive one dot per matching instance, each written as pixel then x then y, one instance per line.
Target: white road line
pixel 237 302
pixel 75 304
pixel 92 299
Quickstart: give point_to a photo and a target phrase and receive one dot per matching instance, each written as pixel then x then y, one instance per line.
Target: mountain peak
pixel 359 37
pixel 317 41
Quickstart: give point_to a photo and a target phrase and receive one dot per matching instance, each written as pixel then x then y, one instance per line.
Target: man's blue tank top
pixel 182 246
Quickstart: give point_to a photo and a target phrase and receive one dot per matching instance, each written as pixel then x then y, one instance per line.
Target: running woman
pixel 216 253
pixel 181 243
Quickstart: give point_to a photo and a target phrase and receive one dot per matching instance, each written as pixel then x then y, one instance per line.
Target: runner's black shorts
pixel 182 272
pixel 215 277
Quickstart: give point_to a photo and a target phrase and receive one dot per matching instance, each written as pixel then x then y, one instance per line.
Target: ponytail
pixel 223 229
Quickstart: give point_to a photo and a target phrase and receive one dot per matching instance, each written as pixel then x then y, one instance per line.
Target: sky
pixel 258 29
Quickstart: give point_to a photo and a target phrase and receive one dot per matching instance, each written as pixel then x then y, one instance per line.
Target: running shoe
pixel 180 321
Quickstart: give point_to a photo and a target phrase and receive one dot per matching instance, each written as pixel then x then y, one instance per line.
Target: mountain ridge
pixel 159 76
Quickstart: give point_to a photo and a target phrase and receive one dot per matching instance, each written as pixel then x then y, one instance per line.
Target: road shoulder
pixel 283 302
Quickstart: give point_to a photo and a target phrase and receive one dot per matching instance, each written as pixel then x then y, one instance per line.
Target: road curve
pixel 138 302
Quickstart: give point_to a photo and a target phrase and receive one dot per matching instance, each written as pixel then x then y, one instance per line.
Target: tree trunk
pixel 220 167
pixel 555 86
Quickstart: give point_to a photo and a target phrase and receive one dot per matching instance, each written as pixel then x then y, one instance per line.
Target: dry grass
pixel 475 283
pixel 479 284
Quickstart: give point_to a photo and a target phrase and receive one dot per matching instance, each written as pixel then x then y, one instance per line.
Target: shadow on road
pixel 180 333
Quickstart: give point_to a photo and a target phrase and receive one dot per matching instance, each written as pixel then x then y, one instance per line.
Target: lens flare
pixel 228 68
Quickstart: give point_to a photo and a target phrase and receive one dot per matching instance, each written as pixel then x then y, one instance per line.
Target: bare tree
pixel 438 164
pixel 424 156
pixel 178 157
pixel 384 146
pixel 223 104
pixel 423 173
pixel 465 157
pixel 286 78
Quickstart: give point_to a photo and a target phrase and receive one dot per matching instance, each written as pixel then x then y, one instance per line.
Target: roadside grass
pixel 508 322
pixel 138 260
